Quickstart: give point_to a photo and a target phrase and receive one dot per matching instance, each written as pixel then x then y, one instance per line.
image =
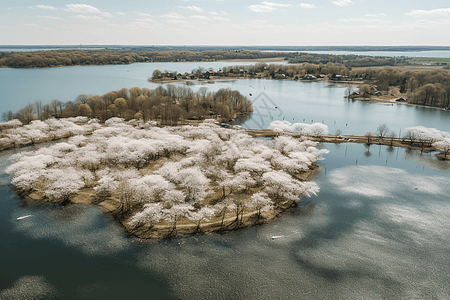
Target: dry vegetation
pixel 60 58
pixel 168 105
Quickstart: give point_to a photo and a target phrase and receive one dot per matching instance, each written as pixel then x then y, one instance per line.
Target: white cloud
pixel 120 13
pixel 266 6
pixel 49 17
pixel 201 18
pixel 375 15
pixel 32 25
pixel 89 18
pixel 306 5
pixel 141 14
pixel 176 21
pixel 49 7
pixel 193 8
pixel 215 13
pixel 221 19
pixel 438 11
pixel 107 15
pixel 362 20
pixel 173 15
pixel 146 22
pixel 82 8
pixel 342 2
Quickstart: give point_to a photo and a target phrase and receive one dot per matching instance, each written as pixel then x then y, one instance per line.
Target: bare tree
pixel 338 133
pixel 411 136
pixel 54 105
pixel 382 131
pixel 392 136
pixel 368 135
pixel 349 92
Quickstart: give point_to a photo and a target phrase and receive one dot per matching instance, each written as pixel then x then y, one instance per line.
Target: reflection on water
pixel 377 229
pixel 76 226
pixel 28 287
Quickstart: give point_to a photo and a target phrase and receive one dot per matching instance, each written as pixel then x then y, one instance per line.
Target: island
pixel 161 182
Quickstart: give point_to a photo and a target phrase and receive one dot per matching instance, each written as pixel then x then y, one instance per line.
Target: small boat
pixel 23 217
pixel 277 236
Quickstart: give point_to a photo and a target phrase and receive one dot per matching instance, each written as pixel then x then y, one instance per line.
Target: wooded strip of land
pixel 61 58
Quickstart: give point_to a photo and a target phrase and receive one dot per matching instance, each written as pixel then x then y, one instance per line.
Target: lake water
pixel 377 229
pixel 304 102
pixel 433 53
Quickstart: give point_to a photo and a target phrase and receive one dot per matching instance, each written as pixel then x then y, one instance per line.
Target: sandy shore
pixel 163 229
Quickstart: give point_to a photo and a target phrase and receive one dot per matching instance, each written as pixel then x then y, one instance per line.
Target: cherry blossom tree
pixel 175 213
pixel 193 183
pixel 121 160
pixel 60 184
pixel 261 202
pixel 239 183
pixel 202 214
pixel 281 187
pixel 255 165
pixel 153 212
pixel 152 188
pixel 125 191
pixel 443 146
pixel 221 209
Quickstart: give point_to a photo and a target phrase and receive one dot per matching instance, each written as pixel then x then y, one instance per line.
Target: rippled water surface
pixel 377 229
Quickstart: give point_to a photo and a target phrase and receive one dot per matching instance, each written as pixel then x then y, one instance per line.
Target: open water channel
pixel 378 228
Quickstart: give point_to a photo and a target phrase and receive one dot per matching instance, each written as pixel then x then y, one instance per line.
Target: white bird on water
pixel 24 217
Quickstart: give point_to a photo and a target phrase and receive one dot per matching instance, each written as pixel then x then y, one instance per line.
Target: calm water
pixel 308 102
pixel 304 102
pixel 377 229
pixel 434 53
pixel 22 86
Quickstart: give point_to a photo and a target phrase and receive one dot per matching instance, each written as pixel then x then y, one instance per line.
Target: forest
pixel 428 87
pixel 155 180
pixel 168 105
pixel 350 60
pixel 60 58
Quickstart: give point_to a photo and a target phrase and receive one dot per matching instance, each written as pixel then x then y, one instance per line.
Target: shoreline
pixel 256 60
pixel 375 99
pixel 222 221
pixel 356 139
pixel 161 230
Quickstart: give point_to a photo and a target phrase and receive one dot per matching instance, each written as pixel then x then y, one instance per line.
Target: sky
pixel 225 22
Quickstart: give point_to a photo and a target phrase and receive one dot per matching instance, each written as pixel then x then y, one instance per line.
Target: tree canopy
pixel 156 176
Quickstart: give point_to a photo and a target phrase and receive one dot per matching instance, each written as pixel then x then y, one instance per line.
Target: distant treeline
pixel 167 105
pixel 58 58
pixel 429 88
pixel 230 48
pixel 347 60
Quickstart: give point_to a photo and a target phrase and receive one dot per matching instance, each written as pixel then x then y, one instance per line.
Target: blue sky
pixel 225 22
